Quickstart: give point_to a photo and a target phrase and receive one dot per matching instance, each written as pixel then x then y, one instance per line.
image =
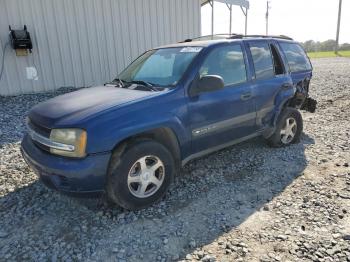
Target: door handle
pixel 246 96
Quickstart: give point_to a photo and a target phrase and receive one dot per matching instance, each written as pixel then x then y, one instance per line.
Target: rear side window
pixel 262 60
pixel 227 62
pixel 297 59
pixel 277 62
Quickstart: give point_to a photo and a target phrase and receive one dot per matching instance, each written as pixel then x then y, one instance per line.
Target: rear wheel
pixel 288 129
pixel 141 175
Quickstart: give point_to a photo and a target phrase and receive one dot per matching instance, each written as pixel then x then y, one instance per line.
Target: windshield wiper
pixel 116 83
pixel 141 82
pixel 144 83
pixel 120 81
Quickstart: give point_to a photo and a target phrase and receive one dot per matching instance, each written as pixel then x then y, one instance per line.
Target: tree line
pixel 328 45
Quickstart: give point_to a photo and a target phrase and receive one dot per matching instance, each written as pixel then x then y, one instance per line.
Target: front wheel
pixel 141 175
pixel 288 129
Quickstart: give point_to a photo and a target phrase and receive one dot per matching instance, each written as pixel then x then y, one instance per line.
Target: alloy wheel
pixel 146 176
pixel 289 130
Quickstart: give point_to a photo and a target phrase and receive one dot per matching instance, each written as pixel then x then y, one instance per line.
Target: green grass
pixel 328 54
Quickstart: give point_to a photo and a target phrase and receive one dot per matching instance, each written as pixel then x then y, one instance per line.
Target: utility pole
pixel 230 8
pixel 246 22
pixel 338 28
pixel 267 17
pixel 212 18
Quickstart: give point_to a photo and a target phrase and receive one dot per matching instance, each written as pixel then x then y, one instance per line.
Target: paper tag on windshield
pixel 191 49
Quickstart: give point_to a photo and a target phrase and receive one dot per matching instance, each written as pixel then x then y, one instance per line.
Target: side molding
pixel 219 147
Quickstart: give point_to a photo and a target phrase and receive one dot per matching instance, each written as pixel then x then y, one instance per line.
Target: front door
pixel 222 116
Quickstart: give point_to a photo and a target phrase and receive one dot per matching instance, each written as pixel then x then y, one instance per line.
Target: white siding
pixel 87 42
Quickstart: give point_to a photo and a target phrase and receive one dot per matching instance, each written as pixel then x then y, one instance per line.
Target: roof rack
pixel 209 37
pixel 237 36
pixel 233 36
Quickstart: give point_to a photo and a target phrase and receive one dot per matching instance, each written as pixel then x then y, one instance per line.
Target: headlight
pixel 73 142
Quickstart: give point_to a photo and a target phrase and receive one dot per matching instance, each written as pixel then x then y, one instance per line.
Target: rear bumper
pixel 309 105
pixel 72 176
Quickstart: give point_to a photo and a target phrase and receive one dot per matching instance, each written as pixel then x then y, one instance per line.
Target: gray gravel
pixel 245 203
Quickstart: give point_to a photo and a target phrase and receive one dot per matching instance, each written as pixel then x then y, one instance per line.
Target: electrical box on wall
pixel 32 73
pixel 20 41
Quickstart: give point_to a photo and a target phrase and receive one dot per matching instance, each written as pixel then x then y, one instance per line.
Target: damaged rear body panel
pixel 302 99
pixel 300 69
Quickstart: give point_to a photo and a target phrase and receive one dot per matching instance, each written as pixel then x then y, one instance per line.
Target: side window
pixel 277 62
pixel 262 60
pixel 227 62
pixel 297 59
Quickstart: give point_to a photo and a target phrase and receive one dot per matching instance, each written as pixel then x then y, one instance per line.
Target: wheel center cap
pixel 145 176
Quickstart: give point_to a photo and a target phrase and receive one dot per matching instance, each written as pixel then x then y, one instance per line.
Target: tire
pixel 294 118
pixel 141 175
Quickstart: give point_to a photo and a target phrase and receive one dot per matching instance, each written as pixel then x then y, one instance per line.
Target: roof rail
pixel 233 36
pixel 262 36
pixel 209 37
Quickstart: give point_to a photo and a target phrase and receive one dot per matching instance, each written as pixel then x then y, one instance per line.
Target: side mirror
pixel 207 83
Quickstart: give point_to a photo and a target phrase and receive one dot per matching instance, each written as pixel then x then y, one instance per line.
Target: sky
pixel 300 19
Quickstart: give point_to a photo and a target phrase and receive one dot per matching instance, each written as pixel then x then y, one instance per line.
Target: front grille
pixel 39 129
pixel 41 146
pixel 43 131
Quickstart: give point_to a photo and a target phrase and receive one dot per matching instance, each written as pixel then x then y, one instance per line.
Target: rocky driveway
pixel 245 203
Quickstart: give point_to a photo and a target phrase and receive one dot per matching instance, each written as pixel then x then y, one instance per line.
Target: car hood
pixel 69 109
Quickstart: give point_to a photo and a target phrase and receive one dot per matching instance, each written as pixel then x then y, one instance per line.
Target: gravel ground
pixel 245 203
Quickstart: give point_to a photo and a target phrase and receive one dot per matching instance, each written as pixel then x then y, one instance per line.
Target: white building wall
pixel 87 42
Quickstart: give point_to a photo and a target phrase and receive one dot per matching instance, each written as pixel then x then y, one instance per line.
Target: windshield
pixel 162 67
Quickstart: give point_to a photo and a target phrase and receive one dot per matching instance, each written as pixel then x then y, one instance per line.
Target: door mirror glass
pixel 207 83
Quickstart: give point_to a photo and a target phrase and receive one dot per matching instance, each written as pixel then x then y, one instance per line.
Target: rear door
pixel 270 78
pixel 224 115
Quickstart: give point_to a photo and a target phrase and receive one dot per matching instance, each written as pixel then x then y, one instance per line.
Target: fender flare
pixel 282 100
pixel 172 128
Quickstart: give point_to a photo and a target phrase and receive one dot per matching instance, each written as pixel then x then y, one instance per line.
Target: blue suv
pixel 175 103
